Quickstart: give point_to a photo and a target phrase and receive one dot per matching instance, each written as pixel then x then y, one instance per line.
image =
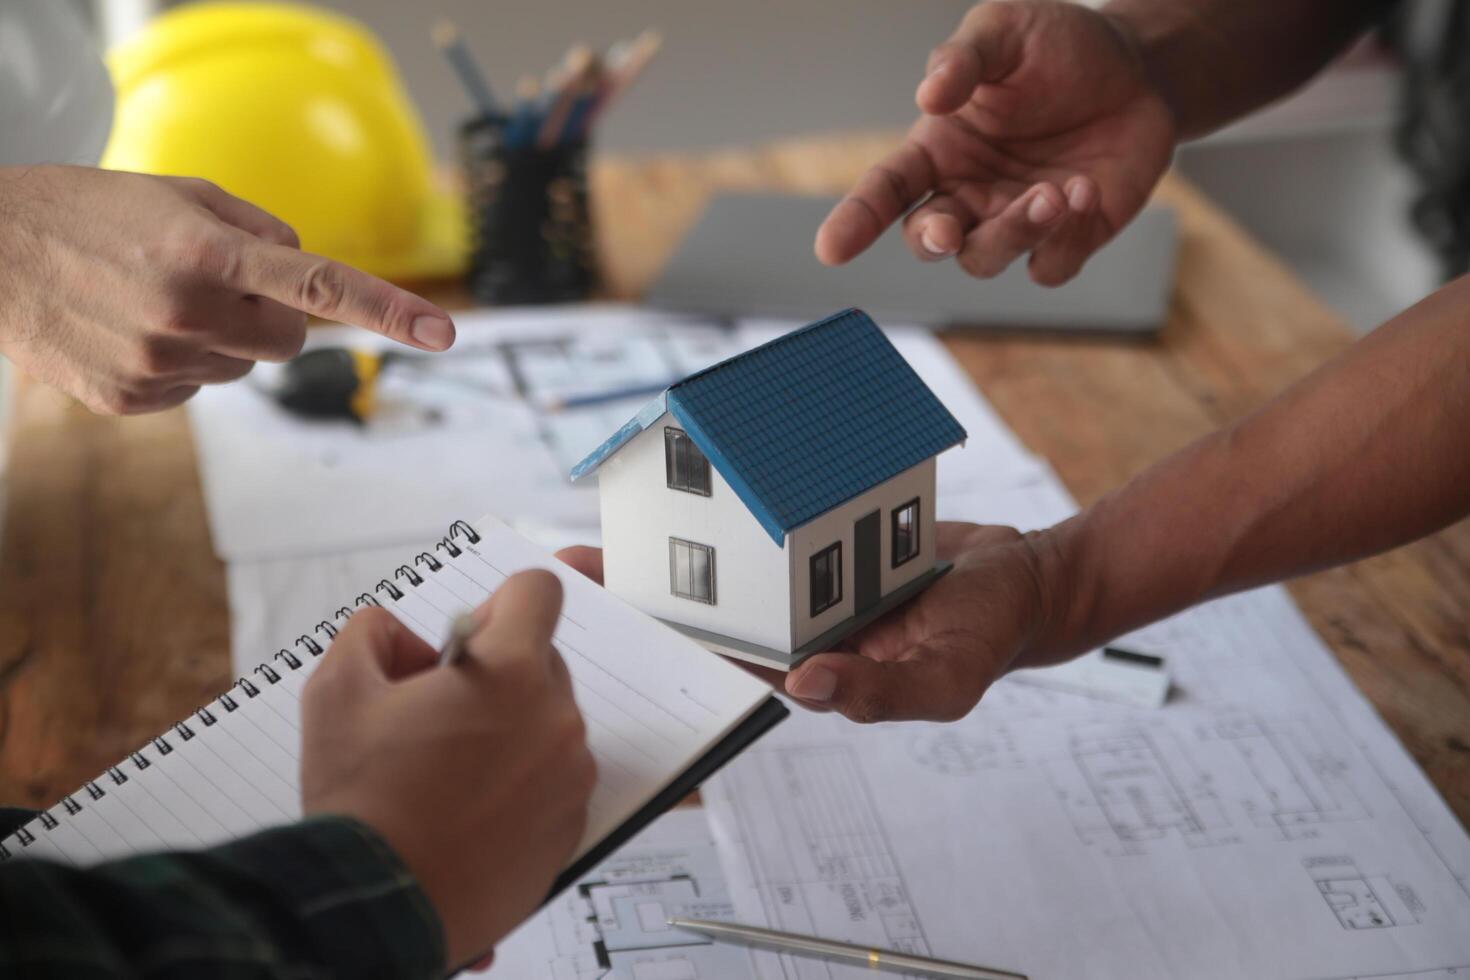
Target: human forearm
pixel 1216 60
pixel 1364 454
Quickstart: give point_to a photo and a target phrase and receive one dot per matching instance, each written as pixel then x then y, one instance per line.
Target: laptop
pixel 751 255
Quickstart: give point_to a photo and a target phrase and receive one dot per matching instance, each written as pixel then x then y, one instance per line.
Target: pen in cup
pixel 448 38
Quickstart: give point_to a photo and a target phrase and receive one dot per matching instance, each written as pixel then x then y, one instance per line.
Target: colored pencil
pixel 582 68
pixel 564 106
pixel 638 55
pixel 457 53
pixel 525 119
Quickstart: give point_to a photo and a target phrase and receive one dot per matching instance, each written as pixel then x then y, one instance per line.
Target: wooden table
pixel 113 619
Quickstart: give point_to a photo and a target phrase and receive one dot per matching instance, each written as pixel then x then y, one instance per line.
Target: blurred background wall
pixel 728 72
pixel 1315 178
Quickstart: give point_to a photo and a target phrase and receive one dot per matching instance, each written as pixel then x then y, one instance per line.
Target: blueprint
pixel 1263 823
pixel 612 924
pixel 492 424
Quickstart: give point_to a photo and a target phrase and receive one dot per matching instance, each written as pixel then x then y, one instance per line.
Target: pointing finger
pixel 884 193
pixel 334 291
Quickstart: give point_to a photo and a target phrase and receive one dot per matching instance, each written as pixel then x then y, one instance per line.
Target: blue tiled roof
pixel 806 421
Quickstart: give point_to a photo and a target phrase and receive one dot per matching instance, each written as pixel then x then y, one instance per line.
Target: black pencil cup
pixel 530 224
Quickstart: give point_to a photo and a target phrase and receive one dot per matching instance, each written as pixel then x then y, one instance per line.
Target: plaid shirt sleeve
pixel 321 898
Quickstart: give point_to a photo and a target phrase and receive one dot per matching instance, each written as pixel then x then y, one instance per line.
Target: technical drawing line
pixel 1336 711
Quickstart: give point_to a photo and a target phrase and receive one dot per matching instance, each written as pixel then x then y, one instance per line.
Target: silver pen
pixel 460 632
pixel 874 959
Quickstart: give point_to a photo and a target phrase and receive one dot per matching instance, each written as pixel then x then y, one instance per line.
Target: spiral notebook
pixel 662 714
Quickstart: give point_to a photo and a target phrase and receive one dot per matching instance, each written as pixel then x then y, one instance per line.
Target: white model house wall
pixel 639 515
pixel 837 525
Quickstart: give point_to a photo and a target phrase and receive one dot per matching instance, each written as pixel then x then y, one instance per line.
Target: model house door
pixel 865 562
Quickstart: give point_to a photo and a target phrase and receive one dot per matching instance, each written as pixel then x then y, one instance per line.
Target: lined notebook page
pixel 654 703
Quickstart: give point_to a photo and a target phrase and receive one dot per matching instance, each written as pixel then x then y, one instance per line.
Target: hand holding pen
pixel 491 748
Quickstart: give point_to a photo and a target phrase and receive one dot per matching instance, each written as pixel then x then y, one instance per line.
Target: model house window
pixel 905 532
pixel 826 578
pixel 692 570
pixel 684 465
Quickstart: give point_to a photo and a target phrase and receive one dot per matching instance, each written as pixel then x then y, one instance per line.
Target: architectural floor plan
pixel 1263 823
pixel 612 924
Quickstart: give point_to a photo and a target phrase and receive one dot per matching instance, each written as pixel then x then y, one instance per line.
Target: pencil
pixel 832 951
pixel 448 38
pixel 635 58
pixel 582 67
pixel 523 119
pixel 603 397
pixel 460 632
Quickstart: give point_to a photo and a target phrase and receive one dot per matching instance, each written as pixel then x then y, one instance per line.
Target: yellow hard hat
pixel 298 111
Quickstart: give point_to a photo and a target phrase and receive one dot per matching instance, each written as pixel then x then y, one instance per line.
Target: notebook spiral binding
pixel 308 647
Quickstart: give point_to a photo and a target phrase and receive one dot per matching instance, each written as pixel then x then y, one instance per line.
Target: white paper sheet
pixel 612 925
pixel 476 428
pixel 1264 823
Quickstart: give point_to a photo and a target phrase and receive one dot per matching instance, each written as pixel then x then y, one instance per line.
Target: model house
pixel 776 501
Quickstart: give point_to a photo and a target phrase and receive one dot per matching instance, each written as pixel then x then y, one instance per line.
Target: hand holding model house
pixel 778 505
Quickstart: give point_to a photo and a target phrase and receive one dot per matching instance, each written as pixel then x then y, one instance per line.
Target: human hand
pixel 129 291
pixel 494 747
pixel 1040 133
pixel 934 656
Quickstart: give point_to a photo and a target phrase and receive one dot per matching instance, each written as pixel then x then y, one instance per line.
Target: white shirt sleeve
pixel 55 94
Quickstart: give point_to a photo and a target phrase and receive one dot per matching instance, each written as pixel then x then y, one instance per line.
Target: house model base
pixel 729 646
